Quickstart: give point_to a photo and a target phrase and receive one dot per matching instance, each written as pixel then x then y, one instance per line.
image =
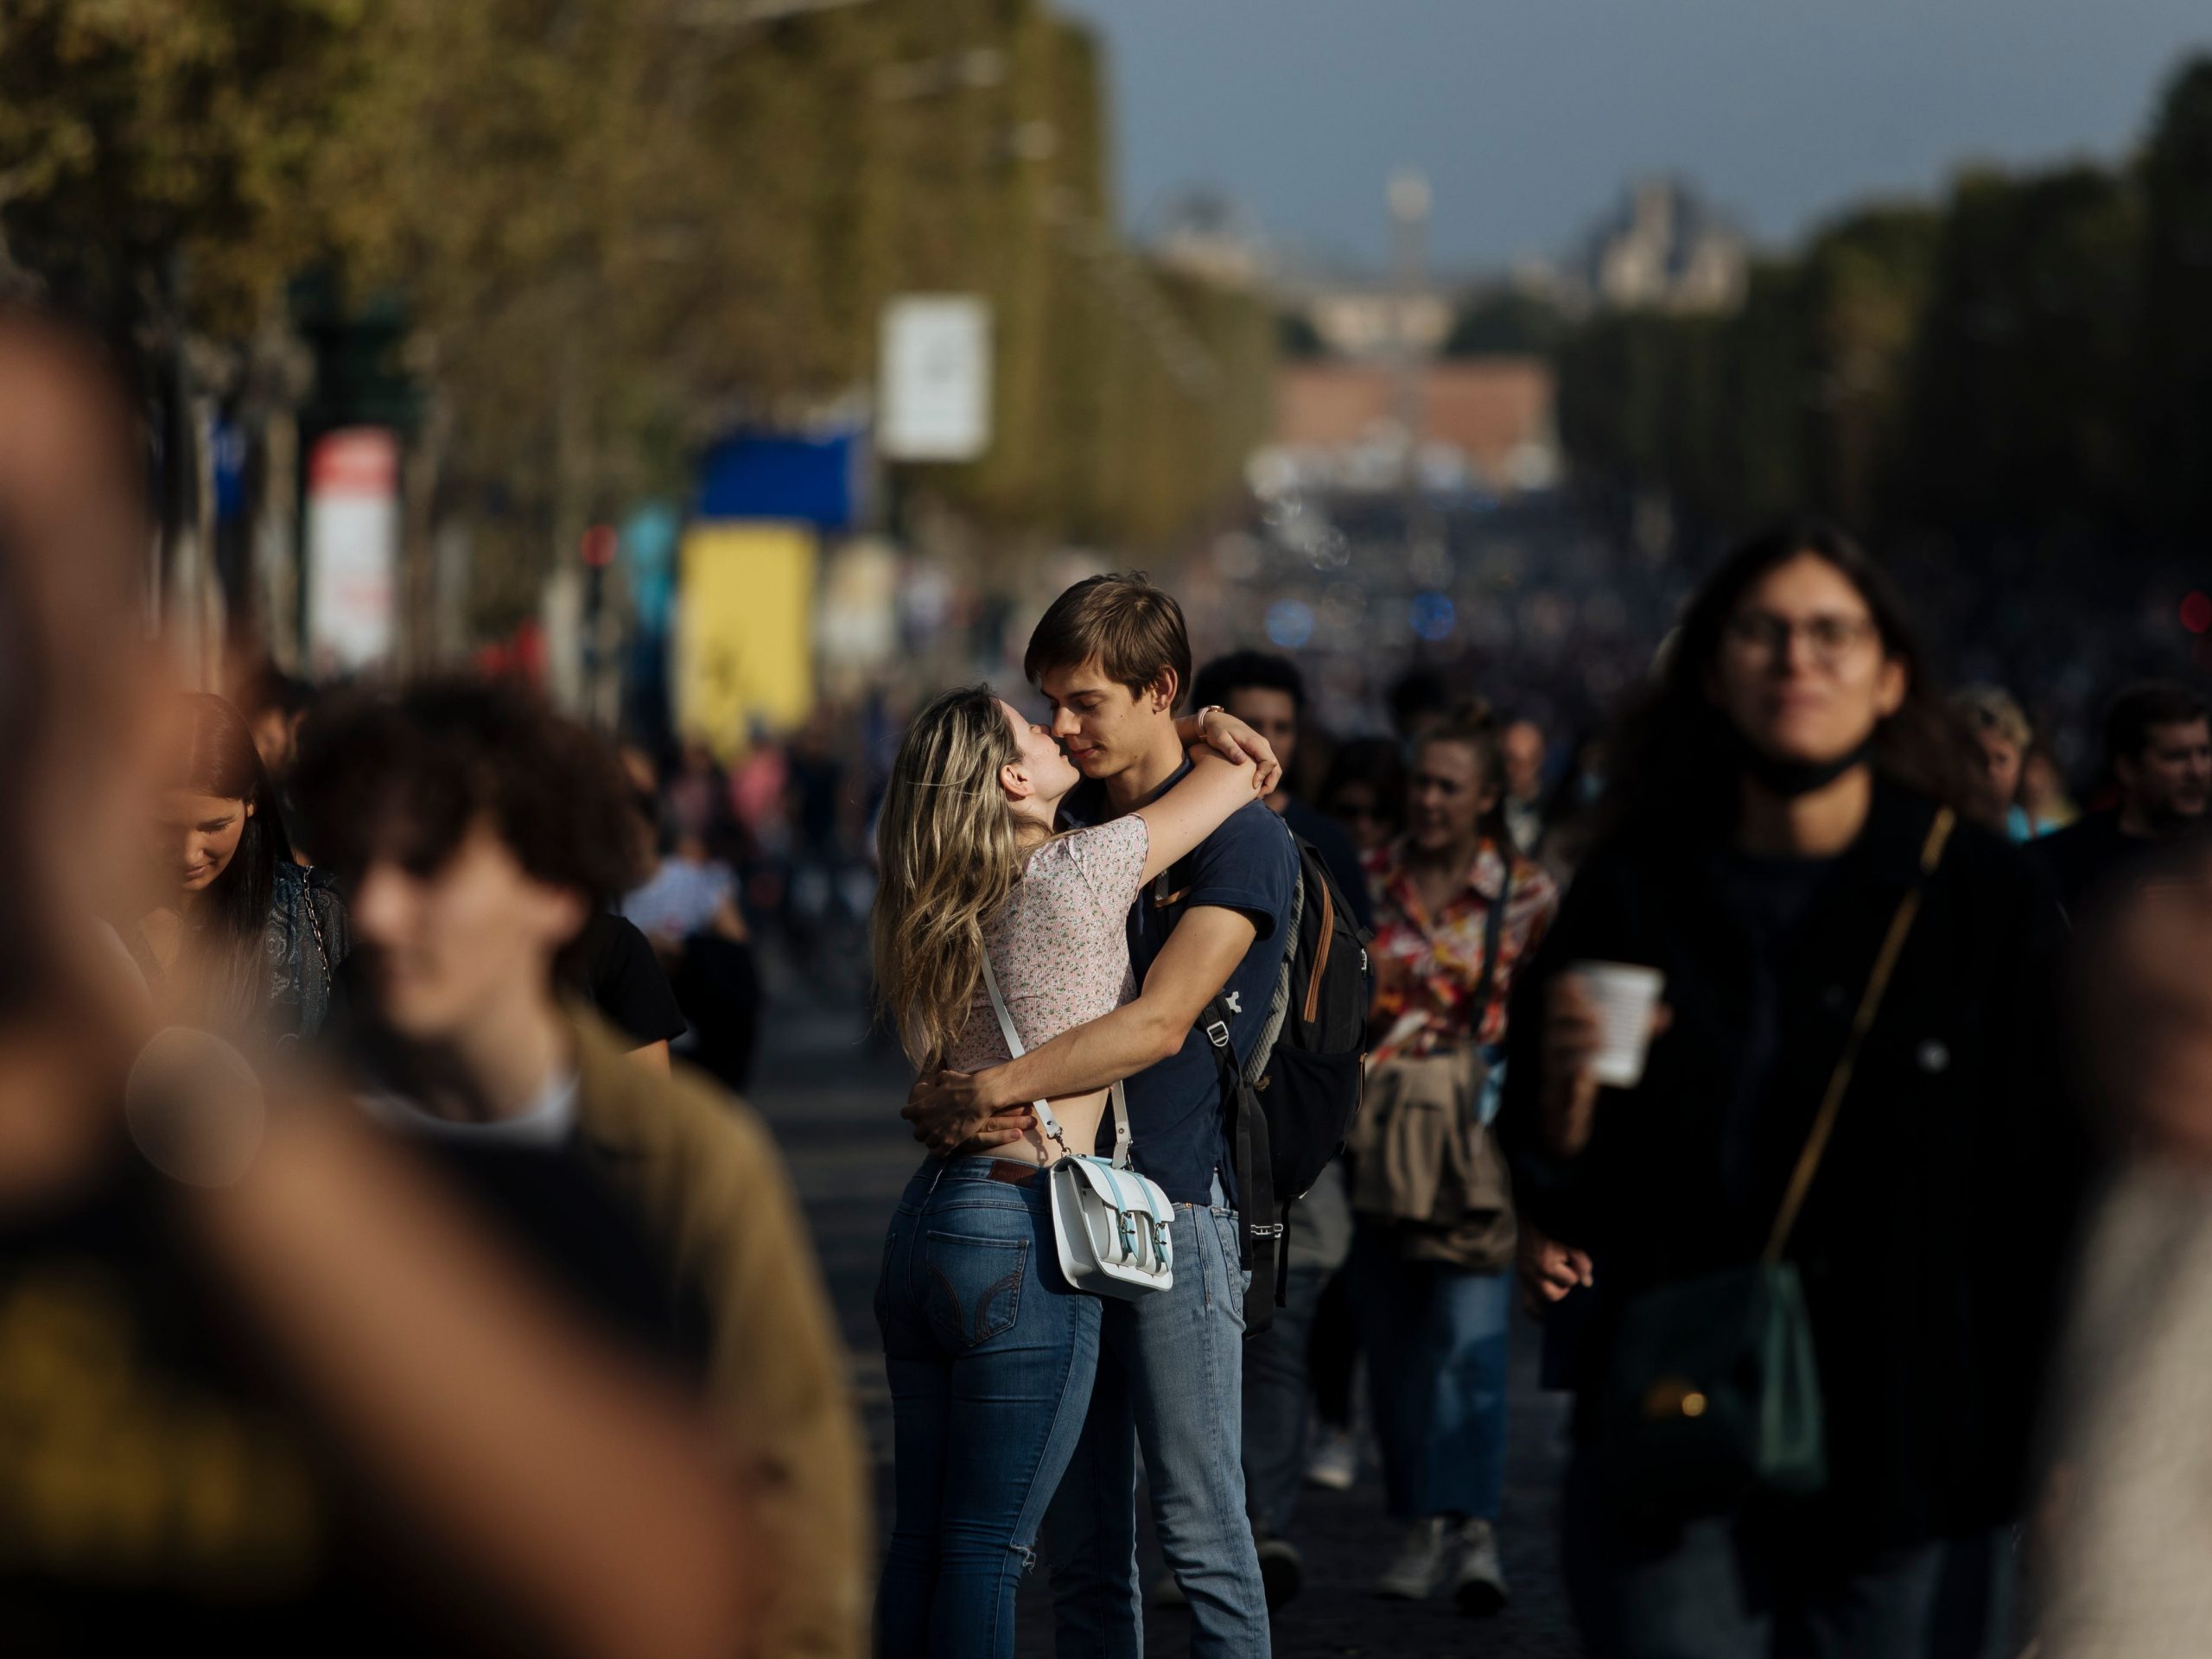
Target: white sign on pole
pixel 936 378
pixel 353 549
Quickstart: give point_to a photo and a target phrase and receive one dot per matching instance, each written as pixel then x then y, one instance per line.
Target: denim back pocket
pixel 975 1291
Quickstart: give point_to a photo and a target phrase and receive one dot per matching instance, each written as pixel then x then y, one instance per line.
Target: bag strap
pixel 1493 930
pixel 1045 1120
pixel 1878 982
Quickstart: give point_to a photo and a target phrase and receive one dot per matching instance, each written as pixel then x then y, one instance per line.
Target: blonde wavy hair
pixel 950 852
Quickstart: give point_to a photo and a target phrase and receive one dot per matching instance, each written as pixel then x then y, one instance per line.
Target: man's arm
pixel 950 1107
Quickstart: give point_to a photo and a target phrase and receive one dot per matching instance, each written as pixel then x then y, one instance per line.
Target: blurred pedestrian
pixel 275 706
pixel 2043 792
pixel 1365 790
pixel 267 1389
pixel 2159 751
pixel 1521 749
pixel 1848 1142
pixel 1999 738
pixel 1458 910
pixel 688 909
pixel 1267 693
pixel 242 936
pixel 478 833
pixel 1418 700
pixel 991 925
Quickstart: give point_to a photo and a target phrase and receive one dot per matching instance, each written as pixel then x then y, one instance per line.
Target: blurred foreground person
pixel 1999 738
pixel 243 937
pixel 263 1388
pixel 2120 1570
pixel 1459 909
pixel 1825 1217
pixel 2158 748
pixel 477 832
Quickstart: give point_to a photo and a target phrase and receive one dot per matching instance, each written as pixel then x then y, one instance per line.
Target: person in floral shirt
pixel 1457 910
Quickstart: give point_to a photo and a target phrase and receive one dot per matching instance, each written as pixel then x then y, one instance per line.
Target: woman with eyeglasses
pixel 1779 847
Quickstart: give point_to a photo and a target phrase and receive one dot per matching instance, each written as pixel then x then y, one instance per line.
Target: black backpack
pixel 1289 1108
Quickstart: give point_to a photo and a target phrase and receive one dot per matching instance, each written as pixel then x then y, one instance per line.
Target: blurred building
pixel 1485 424
pixel 1664 249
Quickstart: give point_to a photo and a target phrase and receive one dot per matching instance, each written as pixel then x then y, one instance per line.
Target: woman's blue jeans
pixel 1436 1344
pixel 991 1357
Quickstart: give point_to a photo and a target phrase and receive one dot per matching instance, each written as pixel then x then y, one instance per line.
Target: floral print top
pixel 1427 968
pixel 1059 944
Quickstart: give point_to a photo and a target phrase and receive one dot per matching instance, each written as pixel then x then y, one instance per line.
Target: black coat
pixel 1936 1232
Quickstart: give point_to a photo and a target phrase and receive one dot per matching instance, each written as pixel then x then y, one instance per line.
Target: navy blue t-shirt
pixel 1175 1108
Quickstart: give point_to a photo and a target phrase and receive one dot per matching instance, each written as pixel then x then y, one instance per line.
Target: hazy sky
pixel 1528 115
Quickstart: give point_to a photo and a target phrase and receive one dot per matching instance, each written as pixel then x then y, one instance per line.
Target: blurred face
pixel 199 836
pixel 1997 770
pixel 1521 748
pixel 448 944
pixel 1363 814
pixel 2172 779
pixel 1446 797
pixel 274 733
pixel 1104 727
pixel 1042 772
pixel 1273 714
pixel 1801 671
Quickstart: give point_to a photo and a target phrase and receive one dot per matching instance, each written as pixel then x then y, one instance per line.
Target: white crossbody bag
pixel 1111 1223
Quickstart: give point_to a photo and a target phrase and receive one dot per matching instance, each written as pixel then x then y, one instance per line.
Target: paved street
pixel 834 1105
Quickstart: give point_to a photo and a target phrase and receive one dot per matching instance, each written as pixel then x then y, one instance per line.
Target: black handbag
pixel 1714 1391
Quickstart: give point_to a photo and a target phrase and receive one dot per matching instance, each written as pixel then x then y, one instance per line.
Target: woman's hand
pixel 952 1113
pixel 1549 1269
pixel 1569 1053
pixel 1229 737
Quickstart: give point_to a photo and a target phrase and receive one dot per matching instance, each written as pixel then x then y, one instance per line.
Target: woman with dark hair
pixel 1851 1098
pixel 245 936
pixel 1458 910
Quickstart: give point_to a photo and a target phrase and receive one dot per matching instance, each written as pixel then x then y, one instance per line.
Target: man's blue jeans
pixel 990 1356
pixel 1171 1377
pixel 1436 1344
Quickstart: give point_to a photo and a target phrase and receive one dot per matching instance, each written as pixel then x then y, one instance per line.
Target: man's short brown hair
pixel 1133 630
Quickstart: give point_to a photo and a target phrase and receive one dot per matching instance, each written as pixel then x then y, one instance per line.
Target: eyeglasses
pixel 1830 639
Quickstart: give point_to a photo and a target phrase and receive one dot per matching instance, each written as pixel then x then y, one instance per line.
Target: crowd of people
pixel 386 1257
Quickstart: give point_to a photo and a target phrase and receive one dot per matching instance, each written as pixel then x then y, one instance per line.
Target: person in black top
pixel 613 965
pixel 265 1388
pixel 1268 694
pixel 1779 793
pixel 2158 748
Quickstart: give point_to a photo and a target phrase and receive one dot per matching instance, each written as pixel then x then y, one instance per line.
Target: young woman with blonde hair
pixel 991 1353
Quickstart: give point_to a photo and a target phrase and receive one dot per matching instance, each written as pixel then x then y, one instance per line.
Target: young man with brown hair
pixel 1112 657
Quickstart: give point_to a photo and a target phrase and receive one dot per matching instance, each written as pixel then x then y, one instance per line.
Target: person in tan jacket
pixel 476 832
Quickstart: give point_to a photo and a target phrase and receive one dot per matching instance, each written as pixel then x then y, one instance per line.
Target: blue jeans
pixel 1171 1377
pixel 1435 1339
pixel 1277 1402
pixel 990 1356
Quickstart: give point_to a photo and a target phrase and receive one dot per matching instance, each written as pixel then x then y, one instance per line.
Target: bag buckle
pixel 1274 1230
pixel 1217 1032
pixel 1129 1238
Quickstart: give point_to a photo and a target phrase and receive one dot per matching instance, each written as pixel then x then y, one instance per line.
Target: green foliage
pixel 1506 322
pixel 2036 352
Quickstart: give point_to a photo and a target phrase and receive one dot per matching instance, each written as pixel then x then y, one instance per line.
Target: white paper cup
pixel 1624 994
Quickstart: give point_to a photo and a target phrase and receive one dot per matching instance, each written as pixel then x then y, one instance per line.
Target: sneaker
pixel 1335 1462
pixel 1167 1591
pixel 1420 1566
pixel 1479 1585
pixel 1282 1571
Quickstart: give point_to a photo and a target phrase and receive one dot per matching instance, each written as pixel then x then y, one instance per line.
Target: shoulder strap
pixel 1045 1117
pixel 1809 1160
pixel 1493 930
